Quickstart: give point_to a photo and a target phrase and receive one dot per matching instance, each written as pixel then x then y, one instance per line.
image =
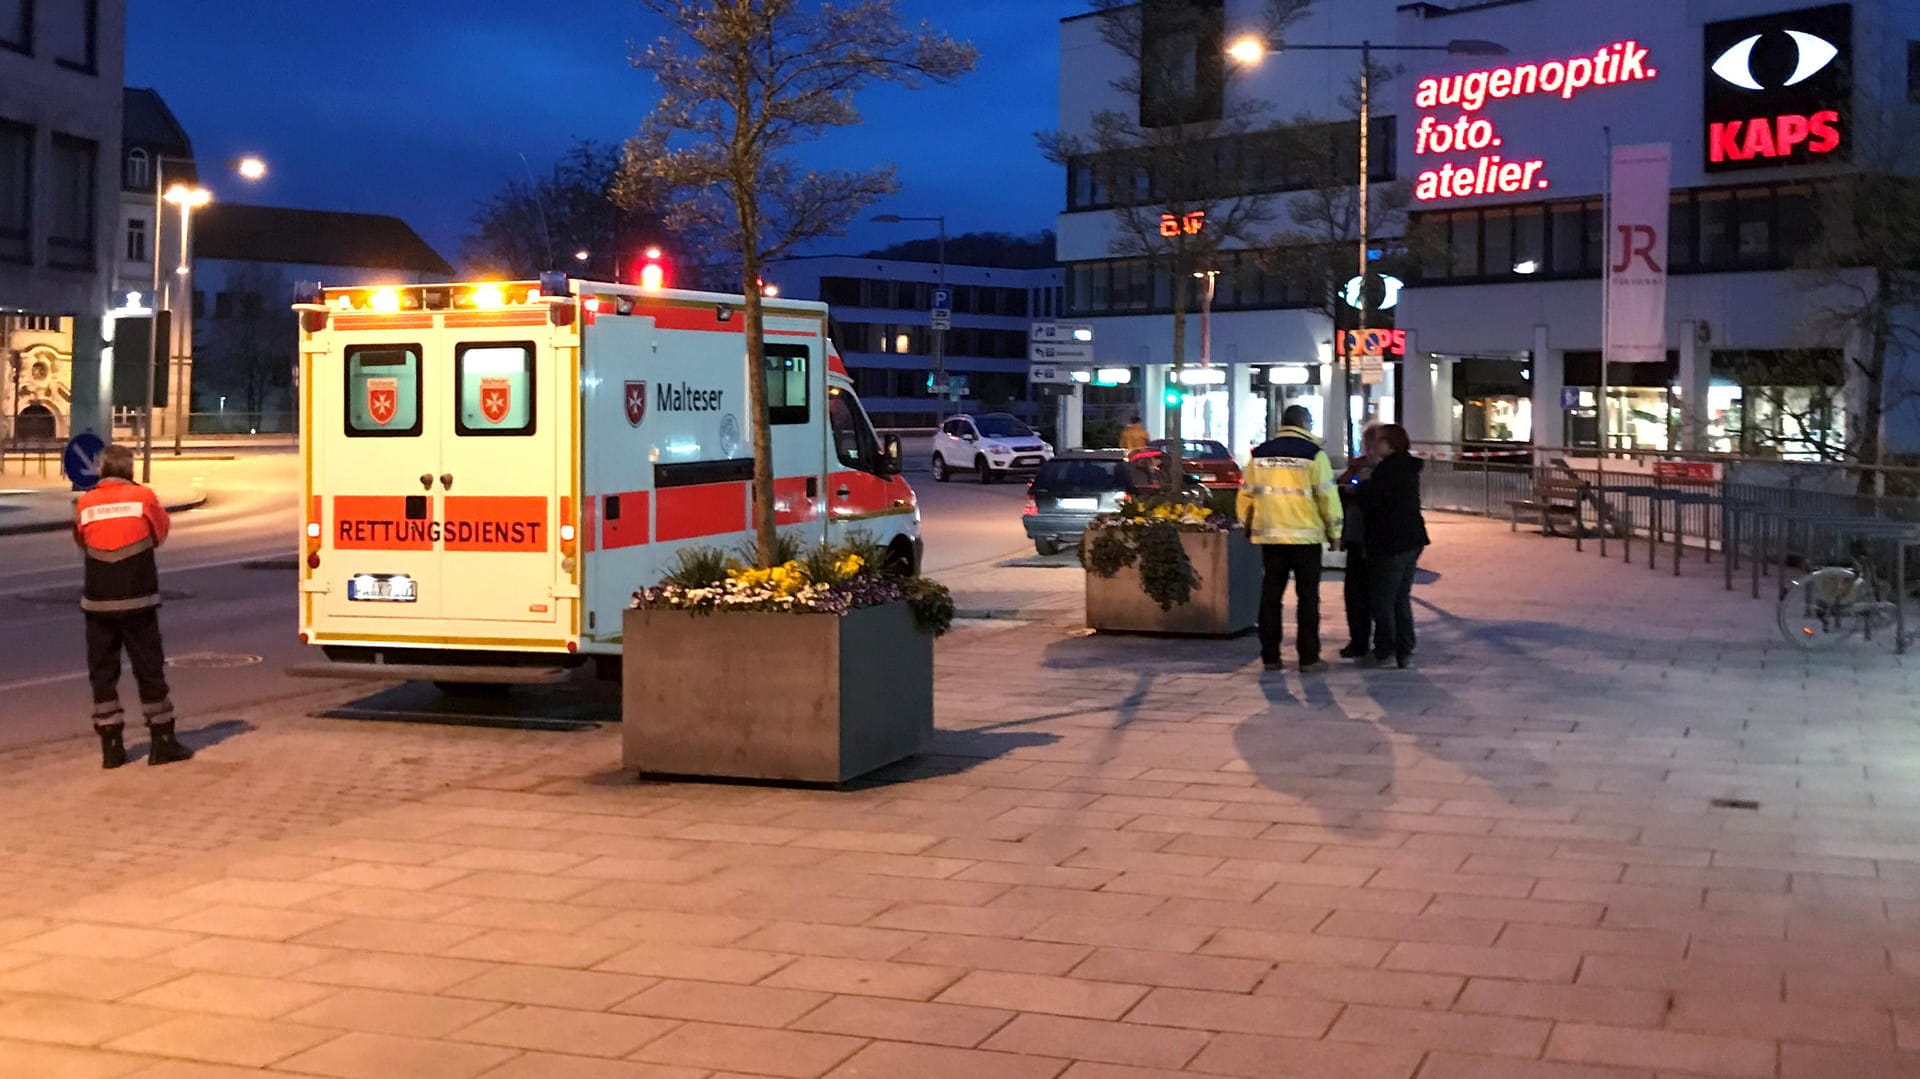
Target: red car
pixel 1203 457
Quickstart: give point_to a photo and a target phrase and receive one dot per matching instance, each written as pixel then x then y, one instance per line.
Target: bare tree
pixel 742 82
pixel 537 224
pixel 1861 271
pixel 1177 171
pixel 249 344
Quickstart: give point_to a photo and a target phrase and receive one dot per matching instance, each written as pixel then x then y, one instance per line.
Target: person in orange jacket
pixel 118 526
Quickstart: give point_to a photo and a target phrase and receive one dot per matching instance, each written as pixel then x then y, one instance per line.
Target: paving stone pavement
pixel 1130 858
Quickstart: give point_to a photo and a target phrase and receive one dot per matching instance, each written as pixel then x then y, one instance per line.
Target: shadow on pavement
pixel 202 737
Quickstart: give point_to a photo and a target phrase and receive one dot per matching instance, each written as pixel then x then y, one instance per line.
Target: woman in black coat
pixel 1395 534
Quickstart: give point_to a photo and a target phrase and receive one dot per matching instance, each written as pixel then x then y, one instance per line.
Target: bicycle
pixel 1829 604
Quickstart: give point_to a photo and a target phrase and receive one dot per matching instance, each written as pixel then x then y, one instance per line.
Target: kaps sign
pixel 1779 89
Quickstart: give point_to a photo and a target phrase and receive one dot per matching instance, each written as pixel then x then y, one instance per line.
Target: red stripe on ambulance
pixel 379 523
pixel 496 523
pixel 629 529
pixel 710 509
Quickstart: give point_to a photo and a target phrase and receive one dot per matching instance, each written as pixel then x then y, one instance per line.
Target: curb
pixel 61 526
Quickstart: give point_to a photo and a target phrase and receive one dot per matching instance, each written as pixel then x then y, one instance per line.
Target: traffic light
pixel 653 272
pixel 1174 396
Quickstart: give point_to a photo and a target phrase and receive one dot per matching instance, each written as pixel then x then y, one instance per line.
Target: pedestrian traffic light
pixel 653 272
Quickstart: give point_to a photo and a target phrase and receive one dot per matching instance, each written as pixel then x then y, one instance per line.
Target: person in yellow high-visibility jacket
pixel 1290 507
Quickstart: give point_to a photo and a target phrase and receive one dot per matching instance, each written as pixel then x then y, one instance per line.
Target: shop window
pixel 788 371
pixel 71 201
pixel 383 391
pixel 16 204
pixel 494 388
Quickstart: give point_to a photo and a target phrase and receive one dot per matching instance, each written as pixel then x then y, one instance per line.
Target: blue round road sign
pixel 81 460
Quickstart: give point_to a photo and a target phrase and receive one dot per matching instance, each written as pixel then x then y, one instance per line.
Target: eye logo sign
pixel 1779 89
pixel 1814 54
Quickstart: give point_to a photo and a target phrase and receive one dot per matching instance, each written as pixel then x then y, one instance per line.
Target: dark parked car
pixel 1078 485
pixel 1204 457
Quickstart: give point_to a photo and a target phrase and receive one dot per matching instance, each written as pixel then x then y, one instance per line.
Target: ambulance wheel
pixel 474 690
pixel 940 473
pixel 899 560
pixel 986 471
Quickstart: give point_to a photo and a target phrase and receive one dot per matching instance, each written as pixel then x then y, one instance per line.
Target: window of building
pixel 252 305
pixel 1715 211
pixel 1681 227
pixel 1496 241
pixel 840 291
pixel 136 239
pixel 1529 239
pixel 16 25
pixel 223 305
pixel 16 202
pixel 493 384
pixel 383 390
pixel 74 31
pixel 1568 232
pixel 199 304
pixel 139 169
pixel 70 202
pixel 1755 210
pixel 788 398
pixel 1913 71
pixel 1463 244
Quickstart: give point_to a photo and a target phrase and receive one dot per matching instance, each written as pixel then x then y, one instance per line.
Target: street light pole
pixel 1249 51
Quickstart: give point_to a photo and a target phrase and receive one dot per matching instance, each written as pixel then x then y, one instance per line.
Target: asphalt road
pixel 229 617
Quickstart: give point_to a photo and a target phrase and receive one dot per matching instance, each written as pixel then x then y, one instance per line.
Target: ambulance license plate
pixel 381 588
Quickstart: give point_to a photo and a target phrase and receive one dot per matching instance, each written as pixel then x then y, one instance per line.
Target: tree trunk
pixel 1873 420
pixel 765 537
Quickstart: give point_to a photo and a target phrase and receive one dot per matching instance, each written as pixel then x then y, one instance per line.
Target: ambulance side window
pixel 494 387
pixel 383 391
pixel 787 375
pixel 854 442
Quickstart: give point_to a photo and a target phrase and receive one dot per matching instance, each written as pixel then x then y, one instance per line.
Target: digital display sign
pixel 1779 89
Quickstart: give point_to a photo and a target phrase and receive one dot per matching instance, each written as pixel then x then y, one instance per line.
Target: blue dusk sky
pixel 421 108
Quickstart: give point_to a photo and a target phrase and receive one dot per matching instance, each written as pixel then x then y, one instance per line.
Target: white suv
pixel 992 445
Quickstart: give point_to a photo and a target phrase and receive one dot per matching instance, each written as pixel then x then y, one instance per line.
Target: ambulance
pixel 491 469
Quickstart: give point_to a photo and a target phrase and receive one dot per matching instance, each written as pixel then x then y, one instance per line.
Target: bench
pixel 1554 496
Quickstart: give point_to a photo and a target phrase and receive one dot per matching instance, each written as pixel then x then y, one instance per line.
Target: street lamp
pixel 1251 49
pixel 188 199
pixel 939 333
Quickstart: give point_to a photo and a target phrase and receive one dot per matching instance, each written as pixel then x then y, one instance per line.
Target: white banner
pixel 1636 313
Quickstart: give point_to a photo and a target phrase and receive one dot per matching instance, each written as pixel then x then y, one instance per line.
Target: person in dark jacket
pixel 1396 533
pixel 117 526
pixel 1353 542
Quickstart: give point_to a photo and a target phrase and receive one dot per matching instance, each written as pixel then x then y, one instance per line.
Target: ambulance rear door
pixel 375 453
pixel 505 420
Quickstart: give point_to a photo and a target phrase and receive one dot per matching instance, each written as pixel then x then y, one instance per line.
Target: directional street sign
pixel 1069 353
pixel 1060 342
pixel 81 460
pixel 1049 373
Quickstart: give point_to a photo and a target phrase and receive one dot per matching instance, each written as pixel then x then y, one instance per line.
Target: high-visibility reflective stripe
pixel 109 606
pixel 1277 491
pixel 120 554
pixel 111 511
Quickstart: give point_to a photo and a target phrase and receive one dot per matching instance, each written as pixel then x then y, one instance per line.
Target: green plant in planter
pixel 1147 533
pixel 822 580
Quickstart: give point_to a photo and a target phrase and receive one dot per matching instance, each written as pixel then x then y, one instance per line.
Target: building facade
pixel 882 325
pixel 1501 164
pixel 61 66
pixel 247 262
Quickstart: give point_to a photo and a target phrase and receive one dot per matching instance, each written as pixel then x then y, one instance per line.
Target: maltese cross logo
pixel 636 402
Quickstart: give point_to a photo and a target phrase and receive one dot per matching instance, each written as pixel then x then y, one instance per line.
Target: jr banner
pixel 1636 316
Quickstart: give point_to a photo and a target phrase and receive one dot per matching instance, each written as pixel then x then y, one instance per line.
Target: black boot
pixel 163 747
pixel 113 748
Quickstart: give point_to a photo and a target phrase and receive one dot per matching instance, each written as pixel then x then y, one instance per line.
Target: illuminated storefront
pixel 1504 161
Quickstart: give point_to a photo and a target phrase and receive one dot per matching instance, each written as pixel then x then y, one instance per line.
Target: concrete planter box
pixel 802 698
pixel 1225 603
